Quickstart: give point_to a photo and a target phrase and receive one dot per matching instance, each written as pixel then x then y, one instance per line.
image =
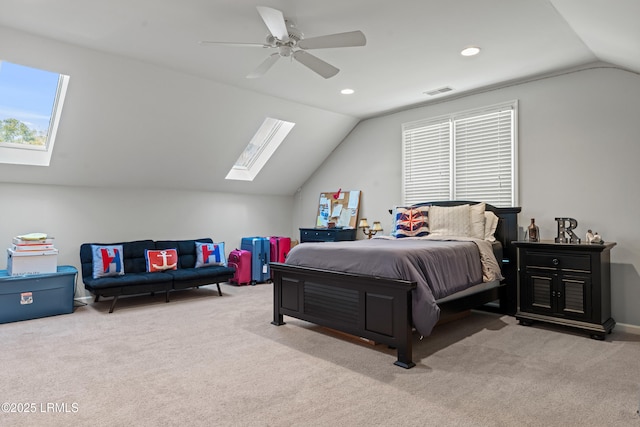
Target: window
pixel 464 156
pixel 261 147
pixel 30 106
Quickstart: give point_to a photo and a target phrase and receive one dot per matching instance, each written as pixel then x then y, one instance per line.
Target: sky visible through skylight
pixel 27 94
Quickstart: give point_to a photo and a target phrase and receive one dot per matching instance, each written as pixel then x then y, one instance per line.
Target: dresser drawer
pixel 327 235
pixel 557 261
pixel 317 235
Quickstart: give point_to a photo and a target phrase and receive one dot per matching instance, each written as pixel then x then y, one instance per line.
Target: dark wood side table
pixel 565 284
pixel 327 234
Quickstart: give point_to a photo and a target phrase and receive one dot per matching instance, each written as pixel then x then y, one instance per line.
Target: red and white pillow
pixel 161 259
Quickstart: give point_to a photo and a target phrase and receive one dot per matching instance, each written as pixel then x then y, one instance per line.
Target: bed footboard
pixel 375 308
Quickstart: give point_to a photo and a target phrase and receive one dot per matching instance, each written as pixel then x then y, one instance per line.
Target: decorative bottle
pixel 534 231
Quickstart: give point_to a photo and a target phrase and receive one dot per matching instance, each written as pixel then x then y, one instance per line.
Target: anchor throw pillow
pixel 161 259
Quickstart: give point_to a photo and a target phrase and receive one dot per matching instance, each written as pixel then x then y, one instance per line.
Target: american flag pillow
pixel 411 221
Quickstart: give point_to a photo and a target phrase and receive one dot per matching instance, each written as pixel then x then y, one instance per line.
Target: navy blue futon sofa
pixel 136 279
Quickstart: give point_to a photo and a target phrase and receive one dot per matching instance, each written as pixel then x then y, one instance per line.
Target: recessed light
pixel 470 51
pixel 347 91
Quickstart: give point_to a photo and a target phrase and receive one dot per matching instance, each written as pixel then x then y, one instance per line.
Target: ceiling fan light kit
pixel 290 42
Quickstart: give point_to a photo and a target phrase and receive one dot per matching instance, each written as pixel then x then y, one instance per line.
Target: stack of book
pixel 32 254
pixel 21 245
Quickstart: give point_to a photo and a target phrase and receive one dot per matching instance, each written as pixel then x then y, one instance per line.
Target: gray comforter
pixel 439 267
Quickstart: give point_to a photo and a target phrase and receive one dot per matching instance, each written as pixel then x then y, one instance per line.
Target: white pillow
pixel 490 226
pixel 477 220
pixel 450 220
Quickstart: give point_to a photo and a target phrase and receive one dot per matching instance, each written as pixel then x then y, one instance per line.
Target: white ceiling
pixel 412 45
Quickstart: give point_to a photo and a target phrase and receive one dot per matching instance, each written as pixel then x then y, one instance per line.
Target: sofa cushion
pixel 208 254
pixel 161 259
pixel 129 279
pixel 107 261
pixel 188 277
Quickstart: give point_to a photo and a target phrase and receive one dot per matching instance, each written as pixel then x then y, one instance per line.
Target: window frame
pixel 421 169
pixel 260 149
pixel 37 155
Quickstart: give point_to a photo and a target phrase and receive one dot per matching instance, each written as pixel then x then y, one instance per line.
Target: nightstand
pixel 327 234
pixel 565 284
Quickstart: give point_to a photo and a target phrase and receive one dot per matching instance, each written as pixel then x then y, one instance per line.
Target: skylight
pixel 260 149
pixel 30 107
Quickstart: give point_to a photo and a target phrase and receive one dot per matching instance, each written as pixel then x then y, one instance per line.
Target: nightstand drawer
pixel 558 261
pixel 319 235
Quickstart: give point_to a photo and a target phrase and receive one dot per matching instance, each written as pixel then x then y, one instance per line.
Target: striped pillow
pixel 450 221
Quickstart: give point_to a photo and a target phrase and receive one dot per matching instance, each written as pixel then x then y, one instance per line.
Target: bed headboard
pixel 507 229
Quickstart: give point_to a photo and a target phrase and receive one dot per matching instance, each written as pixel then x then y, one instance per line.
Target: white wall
pixel 579 151
pixel 76 215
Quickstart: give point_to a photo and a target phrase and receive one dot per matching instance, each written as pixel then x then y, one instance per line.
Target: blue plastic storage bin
pixel 37 295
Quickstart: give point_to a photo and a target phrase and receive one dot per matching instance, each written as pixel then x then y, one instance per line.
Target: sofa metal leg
pixel 113 303
pixel 97 298
pixel 166 296
pixel 219 291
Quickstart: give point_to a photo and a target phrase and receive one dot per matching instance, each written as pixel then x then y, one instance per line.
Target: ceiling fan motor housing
pixel 294 33
pixel 295 36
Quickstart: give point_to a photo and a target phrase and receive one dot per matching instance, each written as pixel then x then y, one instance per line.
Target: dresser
pixel 565 284
pixel 327 234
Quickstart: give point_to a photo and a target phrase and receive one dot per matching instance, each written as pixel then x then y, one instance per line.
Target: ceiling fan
pixel 290 42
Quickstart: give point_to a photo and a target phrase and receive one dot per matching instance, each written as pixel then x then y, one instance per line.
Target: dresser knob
pixel 555 261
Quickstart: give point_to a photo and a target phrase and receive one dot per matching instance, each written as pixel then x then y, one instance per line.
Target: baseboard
pixel 630 329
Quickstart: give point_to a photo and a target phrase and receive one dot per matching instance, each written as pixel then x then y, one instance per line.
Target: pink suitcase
pixel 280 247
pixel 241 261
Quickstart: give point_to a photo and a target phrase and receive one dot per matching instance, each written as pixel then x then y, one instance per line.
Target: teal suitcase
pixel 260 249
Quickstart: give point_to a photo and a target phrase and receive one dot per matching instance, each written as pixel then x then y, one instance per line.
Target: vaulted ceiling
pixel 413 47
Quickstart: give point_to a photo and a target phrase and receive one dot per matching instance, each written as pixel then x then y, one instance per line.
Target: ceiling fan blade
pixel 264 67
pixel 274 20
pixel 315 64
pixel 235 44
pixel 350 39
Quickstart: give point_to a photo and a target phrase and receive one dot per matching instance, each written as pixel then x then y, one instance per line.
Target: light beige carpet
pixel 217 361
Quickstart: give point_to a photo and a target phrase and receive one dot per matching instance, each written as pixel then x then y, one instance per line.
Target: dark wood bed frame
pixel 377 308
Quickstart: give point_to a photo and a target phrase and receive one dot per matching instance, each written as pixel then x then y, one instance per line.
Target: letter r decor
pixel 565 232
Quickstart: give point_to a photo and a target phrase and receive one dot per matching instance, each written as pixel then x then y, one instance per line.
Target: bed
pixel 329 285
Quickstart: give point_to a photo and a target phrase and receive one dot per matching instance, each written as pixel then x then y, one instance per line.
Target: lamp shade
pixel 377 226
pixel 363 223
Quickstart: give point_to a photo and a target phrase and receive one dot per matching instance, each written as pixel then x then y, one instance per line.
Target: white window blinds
pixel 464 156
